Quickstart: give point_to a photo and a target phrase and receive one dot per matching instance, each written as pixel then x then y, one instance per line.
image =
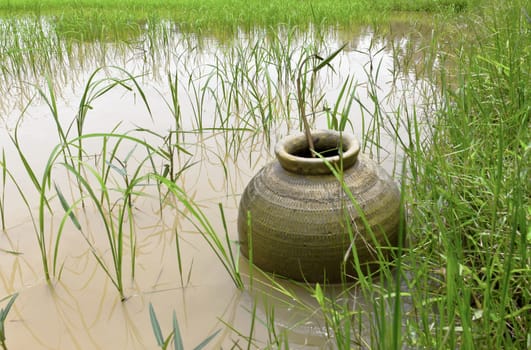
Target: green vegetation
pixel 462 275
pixel 469 195
pixel 175 334
pixel 3 315
pixel 103 18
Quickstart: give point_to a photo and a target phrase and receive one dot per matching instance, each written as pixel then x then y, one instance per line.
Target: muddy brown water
pixel 80 308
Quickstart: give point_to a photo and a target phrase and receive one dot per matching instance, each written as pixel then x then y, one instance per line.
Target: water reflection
pixel 224 104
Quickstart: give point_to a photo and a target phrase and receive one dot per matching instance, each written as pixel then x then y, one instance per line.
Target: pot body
pixel 300 221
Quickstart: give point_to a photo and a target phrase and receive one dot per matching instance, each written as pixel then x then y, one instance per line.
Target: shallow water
pixel 80 308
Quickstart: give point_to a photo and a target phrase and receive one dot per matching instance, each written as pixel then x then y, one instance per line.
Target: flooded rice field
pixel 90 130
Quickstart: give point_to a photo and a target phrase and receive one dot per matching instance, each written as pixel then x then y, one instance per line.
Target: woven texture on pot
pixel 299 220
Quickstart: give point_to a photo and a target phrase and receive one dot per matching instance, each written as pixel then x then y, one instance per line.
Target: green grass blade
pixel 326 61
pixel 3 315
pixel 67 208
pixel 156 326
pixel 177 339
pixel 179 260
pixel 234 261
pixel 7 308
pixel 27 166
pixel 205 342
pixel 68 214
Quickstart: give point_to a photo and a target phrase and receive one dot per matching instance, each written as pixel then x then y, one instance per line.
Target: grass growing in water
pixel 175 335
pixel 467 267
pixel 92 17
pixel 467 192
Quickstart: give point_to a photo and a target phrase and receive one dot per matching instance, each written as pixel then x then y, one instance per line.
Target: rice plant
pixel 93 90
pixel 115 213
pixel 85 20
pixel 304 88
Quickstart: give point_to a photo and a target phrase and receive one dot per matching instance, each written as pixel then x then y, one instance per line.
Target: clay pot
pixel 299 214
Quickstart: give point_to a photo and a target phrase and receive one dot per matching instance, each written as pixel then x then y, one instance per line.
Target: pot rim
pixel 286 148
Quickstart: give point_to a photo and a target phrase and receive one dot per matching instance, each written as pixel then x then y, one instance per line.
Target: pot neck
pixel 333 149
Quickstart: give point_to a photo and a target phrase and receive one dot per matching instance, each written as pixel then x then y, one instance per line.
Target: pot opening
pixel 326 148
pixel 306 153
pixel 295 156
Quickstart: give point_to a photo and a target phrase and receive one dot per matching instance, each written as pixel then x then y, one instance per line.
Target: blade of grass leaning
pixel 51 100
pixel 179 260
pixel 156 326
pixel 177 339
pixel 12 252
pixel 233 259
pixel 207 340
pixel 251 330
pixel 397 312
pixel 67 208
pixel 3 315
pixel 27 167
pixel 69 213
pixel 326 61
pixel 12 178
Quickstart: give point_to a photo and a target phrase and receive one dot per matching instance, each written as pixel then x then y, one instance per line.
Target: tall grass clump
pixel 92 183
pixel 113 201
pixel 470 191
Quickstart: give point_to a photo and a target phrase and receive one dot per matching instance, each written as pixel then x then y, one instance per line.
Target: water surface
pixel 236 98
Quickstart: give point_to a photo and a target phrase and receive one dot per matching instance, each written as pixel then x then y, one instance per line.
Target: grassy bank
pixel 469 193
